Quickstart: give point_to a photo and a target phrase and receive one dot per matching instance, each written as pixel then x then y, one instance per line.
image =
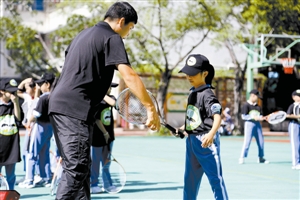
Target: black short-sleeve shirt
pixel 9 135
pixel 251 110
pixel 294 109
pixel 88 71
pixel 42 108
pixel 202 105
pixel 105 114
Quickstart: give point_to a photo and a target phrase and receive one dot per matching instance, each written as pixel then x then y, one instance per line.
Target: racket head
pixel 113 176
pixel 3 183
pixel 276 117
pixel 56 178
pixel 131 108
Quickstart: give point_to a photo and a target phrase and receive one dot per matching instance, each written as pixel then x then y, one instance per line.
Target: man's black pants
pixel 73 138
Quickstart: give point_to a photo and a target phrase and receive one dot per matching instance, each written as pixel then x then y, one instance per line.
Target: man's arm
pixel 135 84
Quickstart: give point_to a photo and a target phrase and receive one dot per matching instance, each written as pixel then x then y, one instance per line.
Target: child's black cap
pixel 256 92
pixel 47 77
pixel 114 84
pixel 8 84
pixel 296 93
pixel 196 63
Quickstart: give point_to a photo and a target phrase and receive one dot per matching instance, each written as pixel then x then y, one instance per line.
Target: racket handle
pixel 174 131
pixel 181 134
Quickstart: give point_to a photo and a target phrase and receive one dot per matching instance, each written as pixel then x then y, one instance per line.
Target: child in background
pixel 9 133
pixel 27 91
pixel 251 114
pixel 203 118
pixel 293 113
pixel 103 137
pixel 40 136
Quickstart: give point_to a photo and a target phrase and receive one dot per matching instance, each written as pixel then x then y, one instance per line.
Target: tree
pixel 162 40
pixel 242 21
pixel 26 46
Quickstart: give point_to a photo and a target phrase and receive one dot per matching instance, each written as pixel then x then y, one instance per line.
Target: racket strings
pixel 114 177
pixel 3 183
pixel 131 108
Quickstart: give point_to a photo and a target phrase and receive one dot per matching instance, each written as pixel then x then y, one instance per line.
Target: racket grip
pixel 181 134
pixel 174 131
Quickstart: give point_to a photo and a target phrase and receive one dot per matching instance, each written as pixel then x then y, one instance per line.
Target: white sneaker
pixel 241 161
pixel 37 178
pixel 96 190
pixel 112 189
pixel 296 167
pixel 27 184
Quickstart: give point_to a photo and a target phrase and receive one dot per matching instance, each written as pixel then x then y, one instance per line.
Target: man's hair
pixel 122 9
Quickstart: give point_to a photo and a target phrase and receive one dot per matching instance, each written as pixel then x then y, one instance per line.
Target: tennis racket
pixel 29 135
pixel 113 175
pixel 3 183
pixel 56 177
pixel 133 111
pixel 276 117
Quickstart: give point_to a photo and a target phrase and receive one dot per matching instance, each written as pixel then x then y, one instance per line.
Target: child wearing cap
pixel 9 133
pixel 103 138
pixel 40 136
pixel 203 118
pixel 293 113
pixel 27 91
pixel 251 114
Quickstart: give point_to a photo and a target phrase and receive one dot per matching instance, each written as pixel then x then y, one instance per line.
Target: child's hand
pixel 14 98
pixel 207 140
pixel 106 137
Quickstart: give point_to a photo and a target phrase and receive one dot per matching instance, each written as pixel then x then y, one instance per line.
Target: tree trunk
pixel 237 106
pixel 162 90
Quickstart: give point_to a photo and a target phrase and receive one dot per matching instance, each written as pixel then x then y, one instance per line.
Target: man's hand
pixel 153 121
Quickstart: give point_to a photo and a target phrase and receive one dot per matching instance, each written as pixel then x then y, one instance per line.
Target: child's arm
pixel 17 110
pixel 21 86
pixel 109 100
pixel 208 139
pixel 103 130
pixel 31 120
pixel 180 131
pixel 292 116
pixel 37 93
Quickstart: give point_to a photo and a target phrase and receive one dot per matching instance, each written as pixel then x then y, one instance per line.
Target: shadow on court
pixel 155 169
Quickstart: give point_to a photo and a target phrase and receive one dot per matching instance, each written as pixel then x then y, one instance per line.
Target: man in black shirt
pixel 89 66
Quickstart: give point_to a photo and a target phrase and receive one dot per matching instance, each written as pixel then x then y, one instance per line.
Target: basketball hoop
pixel 288 65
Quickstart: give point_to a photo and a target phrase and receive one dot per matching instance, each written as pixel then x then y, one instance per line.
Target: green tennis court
pixel 155 167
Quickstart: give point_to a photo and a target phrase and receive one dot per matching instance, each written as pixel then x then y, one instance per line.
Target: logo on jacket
pixel 193 119
pixel 254 113
pixel 8 125
pixel 106 116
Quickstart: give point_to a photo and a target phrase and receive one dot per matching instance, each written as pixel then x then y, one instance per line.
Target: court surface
pixel 155 168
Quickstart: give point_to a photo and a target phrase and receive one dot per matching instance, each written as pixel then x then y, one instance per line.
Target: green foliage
pixel 26 51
